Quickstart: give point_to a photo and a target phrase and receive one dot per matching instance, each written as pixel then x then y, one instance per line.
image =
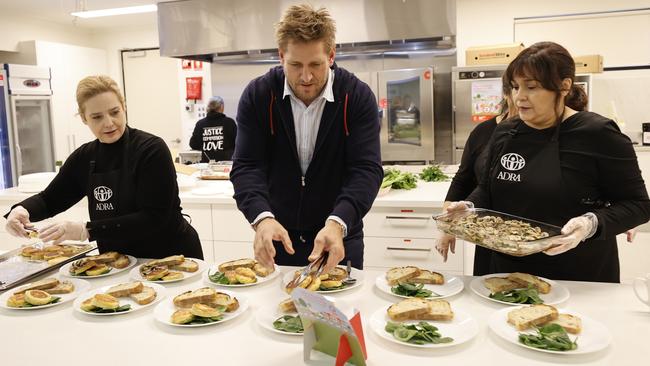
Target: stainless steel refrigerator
pixel 28 137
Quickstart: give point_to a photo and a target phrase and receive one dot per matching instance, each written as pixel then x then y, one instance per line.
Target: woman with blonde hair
pixel 129 179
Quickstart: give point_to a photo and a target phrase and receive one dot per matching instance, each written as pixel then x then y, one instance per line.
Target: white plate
pixel 161 292
pixel 65 270
pixel 559 293
pixel 593 337
pixel 135 273
pixel 451 287
pixel 269 313
pixel 355 273
pixel 163 312
pixel 462 328
pixel 80 286
pixel 215 268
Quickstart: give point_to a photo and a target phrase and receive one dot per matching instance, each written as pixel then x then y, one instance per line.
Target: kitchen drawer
pixel 229 224
pixel 225 251
pixel 384 252
pixel 201 216
pixel 404 222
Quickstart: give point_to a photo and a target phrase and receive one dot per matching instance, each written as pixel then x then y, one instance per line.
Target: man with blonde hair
pixel 307 164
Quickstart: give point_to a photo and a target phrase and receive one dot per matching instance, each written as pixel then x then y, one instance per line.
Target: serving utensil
pixel 316 266
pixel 349 280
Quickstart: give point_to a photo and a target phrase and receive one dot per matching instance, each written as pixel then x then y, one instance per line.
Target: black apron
pixel 526 180
pixel 112 194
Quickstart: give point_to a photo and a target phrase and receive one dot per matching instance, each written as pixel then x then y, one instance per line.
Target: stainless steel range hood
pixel 203 29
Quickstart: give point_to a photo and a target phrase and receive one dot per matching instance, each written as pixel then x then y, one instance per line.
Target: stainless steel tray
pixel 16 269
pixel 499 231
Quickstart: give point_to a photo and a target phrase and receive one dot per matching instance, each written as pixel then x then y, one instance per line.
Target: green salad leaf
pixel 397 179
pixel 289 324
pixel 420 333
pixel 412 290
pixel 519 296
pixel 550 337
pixel 331 288
pixel 219 278
pixel 54 300
pixel 433 174
pixel 120 309
pixel 205 320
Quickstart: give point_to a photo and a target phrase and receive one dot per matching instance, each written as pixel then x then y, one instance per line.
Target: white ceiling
pixel 58 11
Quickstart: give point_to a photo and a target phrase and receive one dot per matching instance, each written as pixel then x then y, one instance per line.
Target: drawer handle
pixel 410 249
pixel 425 218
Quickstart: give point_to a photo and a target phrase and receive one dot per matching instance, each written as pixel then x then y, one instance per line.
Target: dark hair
pixel 549 64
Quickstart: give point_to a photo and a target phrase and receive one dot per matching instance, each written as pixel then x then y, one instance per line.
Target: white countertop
pixel 220 192
pixel 60 335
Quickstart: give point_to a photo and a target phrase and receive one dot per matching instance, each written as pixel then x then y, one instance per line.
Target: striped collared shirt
pixel 306 119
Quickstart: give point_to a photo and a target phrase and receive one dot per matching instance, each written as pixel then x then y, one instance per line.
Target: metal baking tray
pixel 16 269
pixel 509 234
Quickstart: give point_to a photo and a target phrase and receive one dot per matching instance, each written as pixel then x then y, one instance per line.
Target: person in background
pixel 215 134
pixel 558 164
pixel 129 179
pixel 472 166
pixel 307 164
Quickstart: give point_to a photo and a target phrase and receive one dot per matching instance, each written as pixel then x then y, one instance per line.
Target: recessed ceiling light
pixel 116 11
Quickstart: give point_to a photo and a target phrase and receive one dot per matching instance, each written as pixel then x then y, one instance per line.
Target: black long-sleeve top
pixel 597 162
pixel 472 163
pixel 215 136
pixel 157 217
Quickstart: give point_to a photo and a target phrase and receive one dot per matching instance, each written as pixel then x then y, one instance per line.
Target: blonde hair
pixel 91 86
pixel 303 23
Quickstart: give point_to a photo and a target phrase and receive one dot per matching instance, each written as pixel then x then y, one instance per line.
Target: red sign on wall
pixel 193 87
pixel 186 64
pixel 198 65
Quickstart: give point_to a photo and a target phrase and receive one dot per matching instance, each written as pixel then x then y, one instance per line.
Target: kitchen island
pixel 61 335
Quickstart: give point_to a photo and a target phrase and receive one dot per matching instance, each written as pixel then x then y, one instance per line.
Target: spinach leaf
pixel 120 309
pixel 219 277
pixel 433 174
pixel 397 179
pixel 420 333
pixel 289 324
pixel 551 337
pixel 519 296
pixel 205 320
pixel 412 290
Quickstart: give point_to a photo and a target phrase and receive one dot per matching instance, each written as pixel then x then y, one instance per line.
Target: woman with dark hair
pixel 472 166
pixel 559 164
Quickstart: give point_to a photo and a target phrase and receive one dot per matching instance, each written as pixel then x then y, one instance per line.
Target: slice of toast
pixel 498 284
pixel 105 257
pixel 81 266
pixel 121 262
pixel 525 279
pixel 288 306
pixel 428 277
pixel 222 299
pixel 232 265
pixel 172 260
pixel 64 287
pixel 396 275
pixel 144 297
pixel 438 310
pixel 188 265
pixel 204 295
pixel 408 309
pixel 43 284
pixel 526 317
pixel 570 323
pixel 125 289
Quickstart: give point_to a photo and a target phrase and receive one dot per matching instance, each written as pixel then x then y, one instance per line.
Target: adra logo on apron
pixel 103 194
pixel 512 162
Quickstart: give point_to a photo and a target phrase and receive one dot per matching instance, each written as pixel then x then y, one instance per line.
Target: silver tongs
pixel 316 267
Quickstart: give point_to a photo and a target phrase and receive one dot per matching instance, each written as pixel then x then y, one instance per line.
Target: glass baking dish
pixel 499 231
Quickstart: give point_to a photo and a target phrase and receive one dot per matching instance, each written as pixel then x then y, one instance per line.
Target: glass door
pixel 33 134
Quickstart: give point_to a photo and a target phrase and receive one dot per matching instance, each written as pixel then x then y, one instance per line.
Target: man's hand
pixel 445 243
pixel 266 231
pixel 630 234
pixel 17 221
pixel 329 239
pixel 65 230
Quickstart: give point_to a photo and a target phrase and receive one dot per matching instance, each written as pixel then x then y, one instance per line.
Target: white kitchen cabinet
pixel 229 224
pixel 208 251
pixel 225 251
pixel 400 222
pixel 200 216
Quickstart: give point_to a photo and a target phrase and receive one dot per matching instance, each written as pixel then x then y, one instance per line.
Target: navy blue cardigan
pixel 344 175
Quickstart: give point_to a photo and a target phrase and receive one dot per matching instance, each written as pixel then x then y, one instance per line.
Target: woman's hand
pixel 445 243
pixel 574 232
pixel 17 221
pixel 65 230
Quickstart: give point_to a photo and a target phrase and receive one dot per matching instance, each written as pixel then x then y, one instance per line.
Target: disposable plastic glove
pixel 574 232
pixel 447 241
pixel 65 230
pixel 17 221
